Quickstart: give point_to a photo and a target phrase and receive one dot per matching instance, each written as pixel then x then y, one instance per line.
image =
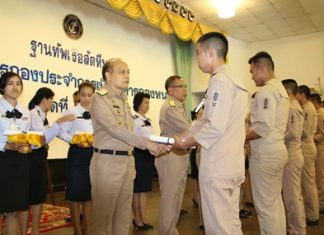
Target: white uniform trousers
pixel 112 180
pixel 266 180
pixel 293 198
pixel 172 172
pixel 220 205
pixel 309 188
pixel 320 175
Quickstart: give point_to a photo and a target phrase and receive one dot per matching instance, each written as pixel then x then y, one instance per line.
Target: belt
pixel 114 152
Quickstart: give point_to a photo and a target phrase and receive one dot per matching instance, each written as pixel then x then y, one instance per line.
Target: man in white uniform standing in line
pixel 319 140
pixel 221 134
pixel 269 116
pixel 291 184
pixel 309 188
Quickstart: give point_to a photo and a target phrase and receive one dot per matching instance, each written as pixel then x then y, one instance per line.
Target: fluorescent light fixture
pixel 226 12
pixel 226 8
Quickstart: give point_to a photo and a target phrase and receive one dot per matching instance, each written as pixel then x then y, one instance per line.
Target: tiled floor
pixel 188 224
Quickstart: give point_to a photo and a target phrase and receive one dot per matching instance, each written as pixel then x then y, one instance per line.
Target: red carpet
pixel 53 217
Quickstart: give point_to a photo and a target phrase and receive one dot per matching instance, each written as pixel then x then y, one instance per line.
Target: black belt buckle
pixel 114 152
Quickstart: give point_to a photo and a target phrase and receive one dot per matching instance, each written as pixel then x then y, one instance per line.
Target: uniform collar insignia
pixel 172 103
pixel 102 91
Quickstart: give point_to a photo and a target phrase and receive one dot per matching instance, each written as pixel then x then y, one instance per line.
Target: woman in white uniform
pixel 14 169
pixel 78 188
pixel 144 162
pixel 39 106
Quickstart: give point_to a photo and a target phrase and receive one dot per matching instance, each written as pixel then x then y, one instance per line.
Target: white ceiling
pixel 259 20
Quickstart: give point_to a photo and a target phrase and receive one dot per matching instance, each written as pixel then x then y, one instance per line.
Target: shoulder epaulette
pixel 172 103
pixel 102 91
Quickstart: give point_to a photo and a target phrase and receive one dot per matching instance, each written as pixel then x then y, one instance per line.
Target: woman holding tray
pixel 39 106
pixel 79 135
pixel 14 170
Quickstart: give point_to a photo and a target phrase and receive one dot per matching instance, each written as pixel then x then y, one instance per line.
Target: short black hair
pixel 303 89
pixel 86 84
pixel 262 57
pixel 76 93
pixel 290 84
pixel 316 98
pixel 170 81
pixel 40 94
pixel 4 79
pixel 138 99
pixel 217 41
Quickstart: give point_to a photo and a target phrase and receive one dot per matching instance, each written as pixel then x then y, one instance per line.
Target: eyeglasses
pixel 179 86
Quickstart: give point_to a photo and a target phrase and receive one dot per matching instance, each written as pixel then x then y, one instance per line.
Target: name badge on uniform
pixel 265 103
pixel 215 98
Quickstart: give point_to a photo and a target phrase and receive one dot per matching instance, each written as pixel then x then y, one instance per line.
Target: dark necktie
pixel 45 123
pixel 13 114
pixel 86 115
pixel 147 123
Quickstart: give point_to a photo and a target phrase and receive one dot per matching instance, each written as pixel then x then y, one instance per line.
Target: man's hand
pixel 184 141
pixel 158 149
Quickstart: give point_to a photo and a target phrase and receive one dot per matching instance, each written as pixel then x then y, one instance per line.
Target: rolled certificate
pixel 162 139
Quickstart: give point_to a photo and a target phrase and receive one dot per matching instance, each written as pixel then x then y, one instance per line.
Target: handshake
pixel 160 145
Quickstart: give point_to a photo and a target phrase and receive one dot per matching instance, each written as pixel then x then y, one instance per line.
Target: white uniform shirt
pixel 79 124
pixel 38 118
pixel 294 128
pixel 221 131
pixel 269 117
pixel 319 137
pixel 21 124
pixel 143 126
pixel 310 123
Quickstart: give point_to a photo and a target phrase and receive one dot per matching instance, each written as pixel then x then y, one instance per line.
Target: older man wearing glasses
pixel 172 167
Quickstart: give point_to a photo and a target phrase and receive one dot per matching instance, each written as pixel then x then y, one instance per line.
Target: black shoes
pixel 139 227
pixel 312 222
pixel 149 226
pixel 245 213
pixel 143 227
pixel 183 212
pixel 195 203
pixel 202 227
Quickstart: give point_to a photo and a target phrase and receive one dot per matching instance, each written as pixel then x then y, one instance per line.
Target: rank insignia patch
pixel 215 98
pixel 265 103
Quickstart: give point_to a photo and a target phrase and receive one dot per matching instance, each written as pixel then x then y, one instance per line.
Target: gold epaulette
pixel 102 91
pixel 172 103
